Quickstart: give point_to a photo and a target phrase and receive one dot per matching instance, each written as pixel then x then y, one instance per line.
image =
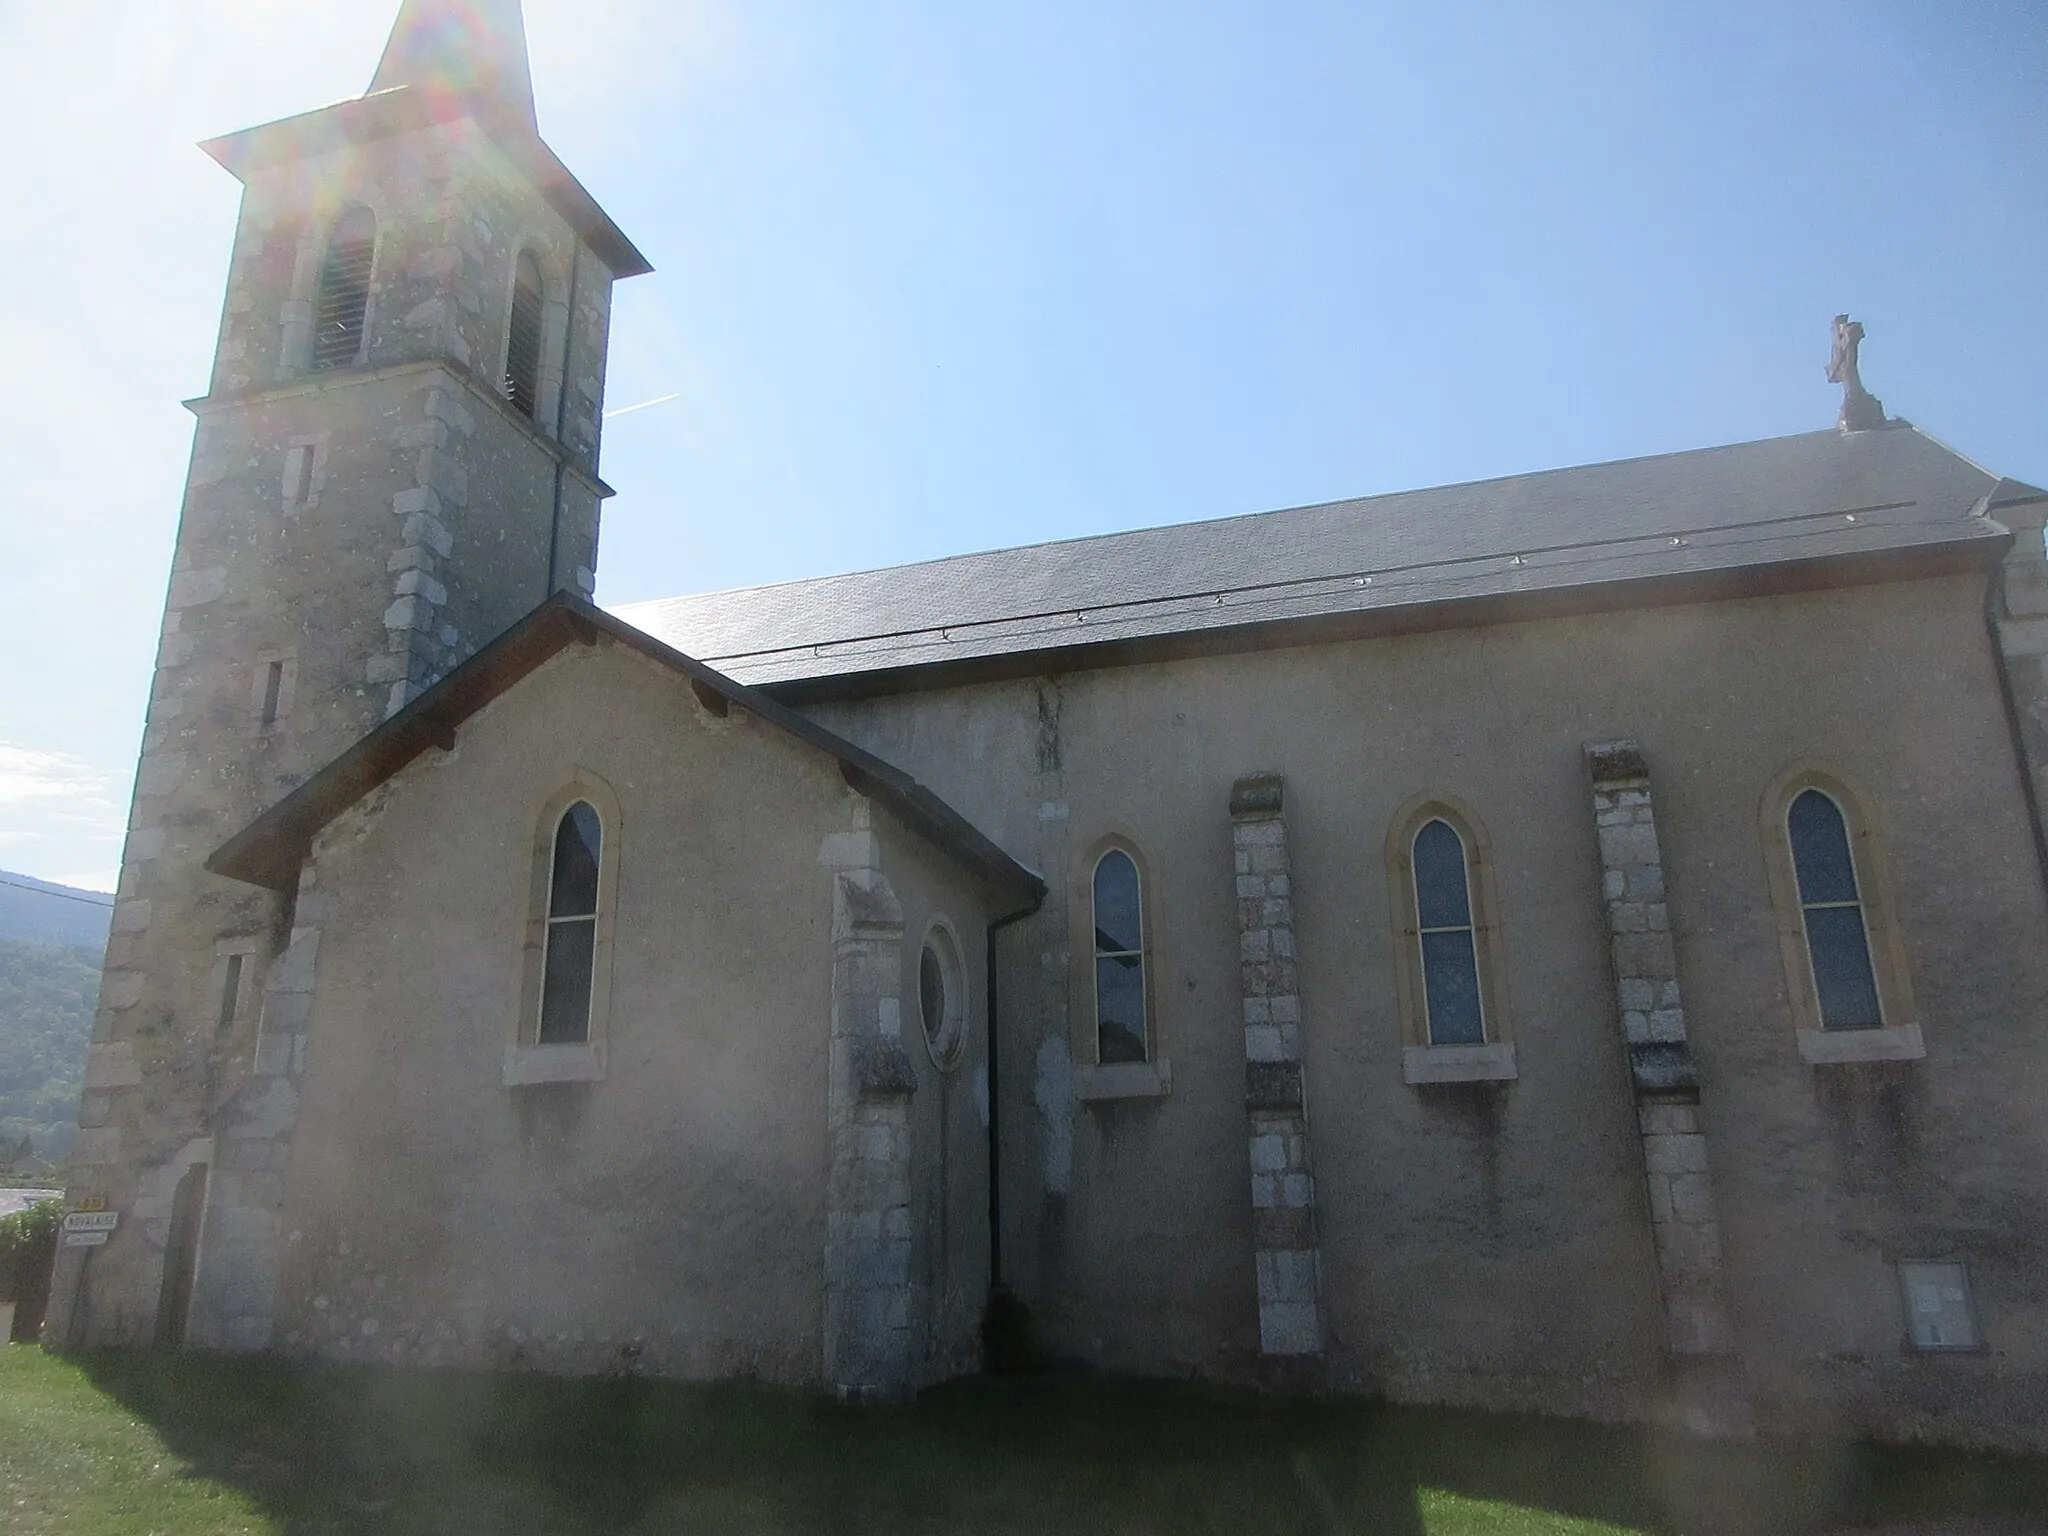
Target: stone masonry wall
pixel 234 1303
pixel 1286 1252
pixel 363 529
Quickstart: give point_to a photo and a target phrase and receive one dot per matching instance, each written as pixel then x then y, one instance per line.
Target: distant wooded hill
pixel 47 993
pixel 39 912
pixel 51 940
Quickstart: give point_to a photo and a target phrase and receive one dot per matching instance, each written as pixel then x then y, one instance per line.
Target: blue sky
pixel 935 277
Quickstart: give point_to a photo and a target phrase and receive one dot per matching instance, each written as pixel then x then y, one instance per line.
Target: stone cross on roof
pixel 1861 410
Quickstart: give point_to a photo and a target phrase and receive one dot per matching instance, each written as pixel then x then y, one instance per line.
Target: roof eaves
pixel 1978 541
pixel 2013 493
pixel 864 771
pixel 271 849
pixel 568 196
pixel 402 108
pixel 1341 588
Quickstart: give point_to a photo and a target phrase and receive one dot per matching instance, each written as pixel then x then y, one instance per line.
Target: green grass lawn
pixel 183 1445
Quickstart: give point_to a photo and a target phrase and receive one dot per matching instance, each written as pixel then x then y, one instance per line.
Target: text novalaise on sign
pixel 89 1229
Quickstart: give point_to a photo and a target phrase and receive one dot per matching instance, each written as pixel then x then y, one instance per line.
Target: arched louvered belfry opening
pixel 522 341
pixel 344 301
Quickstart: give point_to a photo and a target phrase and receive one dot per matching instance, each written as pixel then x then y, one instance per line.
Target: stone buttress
pixel 868 1218
pixel 1286 1252
pixel 1710 1394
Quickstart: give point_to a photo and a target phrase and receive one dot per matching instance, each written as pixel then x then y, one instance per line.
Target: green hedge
pixel 28 1247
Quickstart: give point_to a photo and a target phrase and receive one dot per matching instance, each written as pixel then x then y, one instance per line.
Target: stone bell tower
pixel 396 458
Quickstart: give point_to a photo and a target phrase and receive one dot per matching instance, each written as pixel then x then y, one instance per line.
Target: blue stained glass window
pixel 931 995
pixel 1450 954
pixel 1831 905
pixel 1120 1033
pixel 569 961
pixel 1442 897
pixel 579 840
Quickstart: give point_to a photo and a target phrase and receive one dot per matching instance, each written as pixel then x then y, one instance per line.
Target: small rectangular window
pixel 273 679
pixel 1938 1311
pixel 273 686
pixel 230 990
pixel 298 476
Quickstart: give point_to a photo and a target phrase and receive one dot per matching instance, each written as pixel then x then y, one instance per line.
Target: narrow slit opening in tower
pixel 231 991
pixel 273 690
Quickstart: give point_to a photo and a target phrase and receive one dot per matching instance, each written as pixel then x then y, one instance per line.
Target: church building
pixel 1574 943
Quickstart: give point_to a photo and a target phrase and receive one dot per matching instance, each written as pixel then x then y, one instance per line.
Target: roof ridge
pixel 1581 553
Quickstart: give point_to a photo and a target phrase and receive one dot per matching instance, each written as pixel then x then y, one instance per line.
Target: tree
pixel 28 1247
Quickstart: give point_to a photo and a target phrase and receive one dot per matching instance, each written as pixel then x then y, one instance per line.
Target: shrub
pixel 28 1247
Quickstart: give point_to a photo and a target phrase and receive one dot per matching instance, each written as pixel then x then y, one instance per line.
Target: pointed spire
pixel 474 50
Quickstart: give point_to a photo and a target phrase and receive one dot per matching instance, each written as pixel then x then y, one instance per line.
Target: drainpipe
pixel 1994 593
pixel 562 419
pixel 995 1165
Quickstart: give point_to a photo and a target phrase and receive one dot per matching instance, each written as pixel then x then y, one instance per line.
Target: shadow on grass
pixel 331 1449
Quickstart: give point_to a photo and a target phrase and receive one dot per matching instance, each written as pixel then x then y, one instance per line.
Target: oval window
pixel 940 999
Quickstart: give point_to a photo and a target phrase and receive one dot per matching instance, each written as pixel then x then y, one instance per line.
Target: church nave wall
pixel 1490 1242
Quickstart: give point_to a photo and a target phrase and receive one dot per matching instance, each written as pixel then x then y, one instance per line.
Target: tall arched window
pixel 1846 983
pixel 1454 1011
pixel 1832 914
pixel 344 300
pixel 1120 992
pixel 522 341
pixel 571 947
pixel 1448 963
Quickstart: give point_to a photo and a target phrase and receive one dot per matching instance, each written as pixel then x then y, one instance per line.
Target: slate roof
pixel 1601 533
pixel 470 48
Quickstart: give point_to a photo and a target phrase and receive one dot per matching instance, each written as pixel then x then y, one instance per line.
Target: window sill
pixel 526 1065
pixel 1123 1080
pixel 1458 1064
pixel 1835 1047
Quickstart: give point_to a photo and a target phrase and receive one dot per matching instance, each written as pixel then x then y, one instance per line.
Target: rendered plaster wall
pixel 668 1218
pixel 1491 1243
pixel 363 529
pixel 1123 1220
